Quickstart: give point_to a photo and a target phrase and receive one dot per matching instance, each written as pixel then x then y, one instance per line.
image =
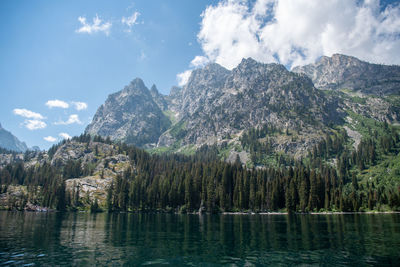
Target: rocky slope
pixel 218 105
pixel 10 142
pixel 346 72
pixel 98 163
pixel 215 105
pixel 131 115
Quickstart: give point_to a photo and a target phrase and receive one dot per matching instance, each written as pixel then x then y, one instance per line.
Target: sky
pixel 59 60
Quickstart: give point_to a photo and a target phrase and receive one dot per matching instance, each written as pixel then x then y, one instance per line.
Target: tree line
pixel 188 183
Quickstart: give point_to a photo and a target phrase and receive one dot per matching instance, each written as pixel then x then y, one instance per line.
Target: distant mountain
pixel 346 72
pixel 215 105
pixel 294 145
pixel 131 115
pixel 10 142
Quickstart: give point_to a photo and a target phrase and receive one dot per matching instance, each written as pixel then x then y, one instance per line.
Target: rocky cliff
pixel 10 142
pixel 218 105
pixel 131 115
pixel 346 72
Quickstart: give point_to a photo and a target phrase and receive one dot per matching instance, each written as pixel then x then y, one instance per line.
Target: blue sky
pixel 53 50
pixel 44 58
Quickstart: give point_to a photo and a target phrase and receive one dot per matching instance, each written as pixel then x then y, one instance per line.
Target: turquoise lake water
pixel 131 239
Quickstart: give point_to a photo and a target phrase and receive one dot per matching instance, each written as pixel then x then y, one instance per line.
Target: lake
pixel 28 238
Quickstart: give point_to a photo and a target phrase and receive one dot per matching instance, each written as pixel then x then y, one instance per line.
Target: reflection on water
pixel 154 239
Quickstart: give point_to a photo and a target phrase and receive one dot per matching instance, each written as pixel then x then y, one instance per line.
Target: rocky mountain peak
pixel 136 86
pixel 346 72
pixel 248 66
pixel 158 98
pixel 131 115
pixel 154 90
pixel 217 104
pixel 211 75
pixel 247 63
pixel 175 90
pixel 10 142
pixel 340 59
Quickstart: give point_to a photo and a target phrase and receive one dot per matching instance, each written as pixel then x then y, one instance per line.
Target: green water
pixel 236 240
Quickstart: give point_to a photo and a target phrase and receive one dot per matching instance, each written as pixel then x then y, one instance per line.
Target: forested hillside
pixel 333 177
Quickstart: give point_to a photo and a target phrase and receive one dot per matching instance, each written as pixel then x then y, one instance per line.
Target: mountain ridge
pixel 217 105
pixel 347 72
pixel 11 142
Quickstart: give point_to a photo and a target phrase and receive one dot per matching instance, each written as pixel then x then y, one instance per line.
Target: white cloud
pixel 199 61
pixel 65 136
pixel 183 77
pixel 96 26
pixel 80 105
pixel 27 114
pixel 74 118
pixel 57 104
pixel 50 139
pixel 34 124
pixel 297 32
pixel 130 21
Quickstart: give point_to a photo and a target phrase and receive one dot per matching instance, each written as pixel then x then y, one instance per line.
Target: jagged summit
pixel 154 89
pixel 136 86
pixel 347 72
pixel 217 103
pixel 131 115
pixel 10 142
pixel 214 104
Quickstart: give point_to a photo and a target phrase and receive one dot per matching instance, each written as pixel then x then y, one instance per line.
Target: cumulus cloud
pixel 35 124
pixel 57 104
pixel 80 105
pixel 50 139
pixel 74 118
pixel 97 26
pixel 65 136
pixel 130 21
pixel 297 32
pixel 28 114
pixel 183 77
pixel 199 61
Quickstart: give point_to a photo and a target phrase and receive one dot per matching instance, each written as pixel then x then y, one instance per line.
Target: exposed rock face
pixel 217 102
pixel 100 162
pixel 10 158
pixel 174 99
pixel 158 98
pixel 373 107
pixel 130 115
pixel 340 71
pixel 92 153
pixel 10 142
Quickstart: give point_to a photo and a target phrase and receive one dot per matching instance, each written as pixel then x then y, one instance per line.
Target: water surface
pixel 155 239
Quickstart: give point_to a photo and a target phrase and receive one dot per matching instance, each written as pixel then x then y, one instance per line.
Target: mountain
pixel 158 98
pixel 10 142
pixel 130 115
pixel 260 138
pixel 220 106
pixel 346 72
pixel 217 105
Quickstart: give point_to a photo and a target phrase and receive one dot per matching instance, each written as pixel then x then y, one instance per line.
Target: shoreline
pixel 311 213
pixel 39 209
